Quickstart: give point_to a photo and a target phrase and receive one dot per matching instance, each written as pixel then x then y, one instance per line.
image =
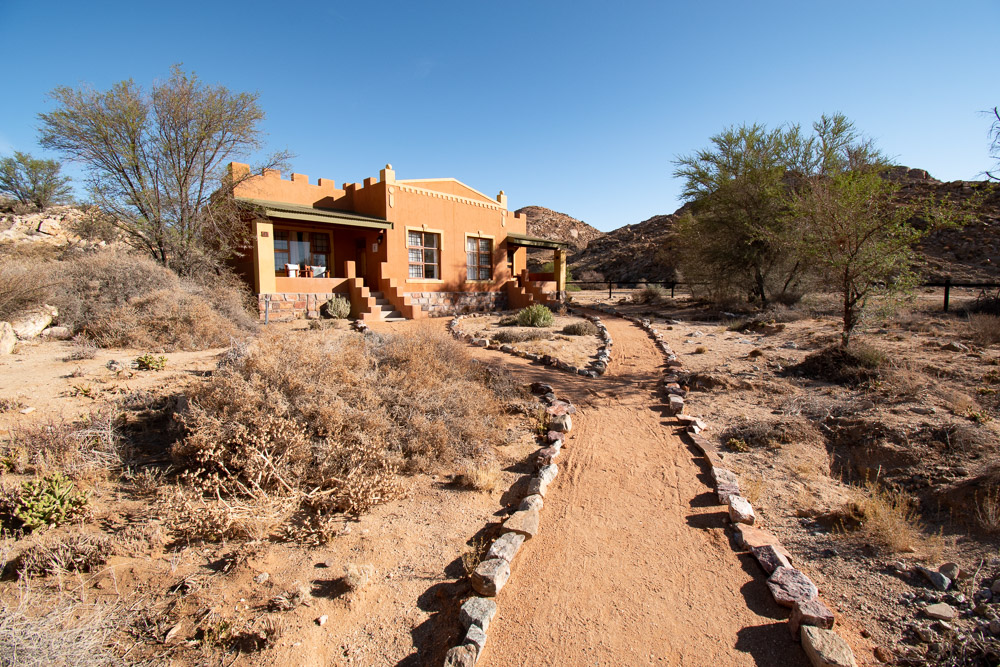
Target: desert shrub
pixel 95 225
pixel 854 365
pixel 21 289
pixel 150 362
pixel 327 420
pixel 651 294
pixel 584 328
pixel 119 299
pixel 337 308
pixel 357 577
pixel 984 328
pixel 93 443
pixel 535 315
pixel 66 634
pixel 508 321
pixel 82 349
pixel 79 552
pixel 474 555
pixel 749 433
pixel 40 503
pixel 507 337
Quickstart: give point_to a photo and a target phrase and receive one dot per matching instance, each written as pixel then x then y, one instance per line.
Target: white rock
pixel 7 338
pixel 30 324
pixel 740 510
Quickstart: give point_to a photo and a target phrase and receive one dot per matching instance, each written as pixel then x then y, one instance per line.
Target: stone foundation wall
pixel 443 304
pixel 292 306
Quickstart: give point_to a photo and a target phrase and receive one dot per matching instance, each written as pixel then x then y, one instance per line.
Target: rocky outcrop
pixel 545 223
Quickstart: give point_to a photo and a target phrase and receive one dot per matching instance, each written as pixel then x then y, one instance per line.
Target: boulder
pixel 740 510
pixel 475 636
pixel 675 405
pixel 555 436
pixel 561 408
pixel 789 586
pixel 34 322
pixel 561 423
pixel 938 580
pixel 532 501
pixel 548 455
pixel 809 612
pixel 490 576
pixel 549 472
pixel 825 648
pixel 58 333
pixel 461 656
pixel 770 557
pixel 7 338
pixel 524 522
pixel 505 547
pixel 478 611
pixel 538 486
pixel 726 484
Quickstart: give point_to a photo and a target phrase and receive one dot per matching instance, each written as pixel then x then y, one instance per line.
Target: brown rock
pixel 524 522
pixel 562 423
pixel 555 436
pixel 789 586
pixel 748 537
pixel 825 648
pixel 490 576
pixel 770 558
pixel 461 656
pixel 809 612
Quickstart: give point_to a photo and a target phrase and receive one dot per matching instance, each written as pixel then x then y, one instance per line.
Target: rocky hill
pixel 55 229
pixel 555 226
pixel 647 251
pixel 970 253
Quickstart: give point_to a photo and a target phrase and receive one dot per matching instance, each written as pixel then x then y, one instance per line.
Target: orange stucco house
pixel 395 248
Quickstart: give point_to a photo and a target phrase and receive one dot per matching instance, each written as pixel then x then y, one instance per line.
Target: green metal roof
pixel 277 209
pixel 532 242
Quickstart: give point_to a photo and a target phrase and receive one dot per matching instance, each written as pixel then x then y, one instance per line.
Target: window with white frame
pixel 478 258
pixel 424 249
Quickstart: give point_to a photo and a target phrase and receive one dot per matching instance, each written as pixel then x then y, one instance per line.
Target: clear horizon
pixel 569 106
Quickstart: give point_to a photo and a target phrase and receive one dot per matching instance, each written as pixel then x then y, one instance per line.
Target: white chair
pixel 292 270
pixel 318 271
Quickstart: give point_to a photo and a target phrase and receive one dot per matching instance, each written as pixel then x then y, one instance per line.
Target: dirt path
pixel 632 565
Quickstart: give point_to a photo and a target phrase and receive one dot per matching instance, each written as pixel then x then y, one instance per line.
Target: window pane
pixel 320 242
pixel 413 238
pixel 415 255
pixel 430 271
pixel 430 256
pixel 484 260
pixel 484 245
pixel 430 240
pixel 484 274
pixel 416 270
pixel 470 245
pixel 470 259
pixel 470 273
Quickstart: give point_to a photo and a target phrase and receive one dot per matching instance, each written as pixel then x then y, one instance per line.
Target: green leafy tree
pixel 156 162
pixel 33 181
pixel 735 234
pixel 852 228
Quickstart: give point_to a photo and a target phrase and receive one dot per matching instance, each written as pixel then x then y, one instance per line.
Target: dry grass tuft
pixel 473 556
pixel 483 475
pixel 93 444
pixel 584 328
pixel 854 365
pixel 21 289
pixel 55 553
pixel 984 329
pixel 987 509
pixel 887 518
pixel 65 635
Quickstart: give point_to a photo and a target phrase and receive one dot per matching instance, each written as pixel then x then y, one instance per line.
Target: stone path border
pixel 494 570
pixel 596 368
pixel 811 621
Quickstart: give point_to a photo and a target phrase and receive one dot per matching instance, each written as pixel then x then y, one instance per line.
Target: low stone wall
pixel 597 365
pixel 291 305
pixel 443 304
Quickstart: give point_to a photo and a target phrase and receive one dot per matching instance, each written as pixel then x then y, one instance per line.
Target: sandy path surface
pixel 632 565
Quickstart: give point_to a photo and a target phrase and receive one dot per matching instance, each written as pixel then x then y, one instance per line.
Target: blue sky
pixel 578 106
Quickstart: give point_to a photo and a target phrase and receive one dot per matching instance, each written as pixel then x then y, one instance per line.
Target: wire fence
pixel 626 286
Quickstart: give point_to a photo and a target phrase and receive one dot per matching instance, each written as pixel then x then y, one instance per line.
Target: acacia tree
pixel 33 181
pixel 737 236
pixel 156 161
pixel 851 227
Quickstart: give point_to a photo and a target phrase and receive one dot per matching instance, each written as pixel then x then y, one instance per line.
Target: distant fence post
pixel 672 285
pixel 947 292
pixel 611 286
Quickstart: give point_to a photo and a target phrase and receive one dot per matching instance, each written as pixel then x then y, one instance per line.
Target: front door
pixel 361 258
pixel 510 261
